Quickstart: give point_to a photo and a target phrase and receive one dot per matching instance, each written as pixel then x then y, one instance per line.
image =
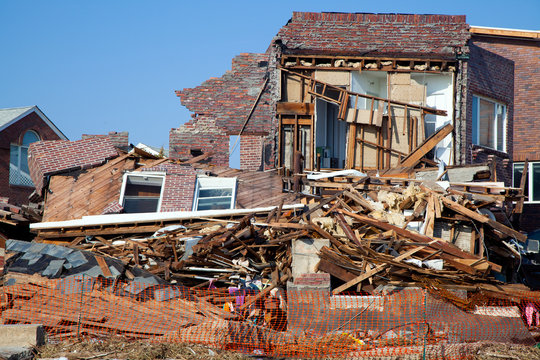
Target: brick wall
pixel 179 186
pixel 13 134
pixel 526 56
pixel 251 149
pixel 222 105
pixel 200 134
pixel 51 157
pixel 491 76
pixel 374 34
pixel 118 139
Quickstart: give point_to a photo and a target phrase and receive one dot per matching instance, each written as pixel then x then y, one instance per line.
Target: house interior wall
pixel 439 95
pixel 383 132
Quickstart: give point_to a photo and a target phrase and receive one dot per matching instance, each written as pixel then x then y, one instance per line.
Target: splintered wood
pixel 380 231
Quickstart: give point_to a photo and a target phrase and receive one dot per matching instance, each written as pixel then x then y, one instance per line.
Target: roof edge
pixel 43 117
pixel 493 31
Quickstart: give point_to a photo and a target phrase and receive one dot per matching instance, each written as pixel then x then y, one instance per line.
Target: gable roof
pixel 11 115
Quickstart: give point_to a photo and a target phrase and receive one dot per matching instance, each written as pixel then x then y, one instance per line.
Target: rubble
pixel 227 271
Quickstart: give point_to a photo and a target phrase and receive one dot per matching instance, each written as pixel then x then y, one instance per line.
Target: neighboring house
pixel 19 127
pixel 357 91
pixel 522 47
pixel 92 177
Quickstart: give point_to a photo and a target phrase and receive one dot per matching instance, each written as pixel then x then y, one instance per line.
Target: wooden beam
pixel 414 158
pixel 290 108
pixel 505 32
pixel 377 269
pixel 483 219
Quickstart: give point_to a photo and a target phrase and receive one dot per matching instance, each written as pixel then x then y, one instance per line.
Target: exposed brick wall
pixel 229 99
pixel 375 34
pixel 52 157
pixel 251 149
pixel 526 56
pixel 529 219
pixel 13 134
pixel 201 133
pixel 222 105
pixel 179 186
pixel 491 76
pixel 118 139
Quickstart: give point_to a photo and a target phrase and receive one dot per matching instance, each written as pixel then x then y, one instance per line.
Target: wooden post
pixel 518 211
pixel 298 157
pixel 351 145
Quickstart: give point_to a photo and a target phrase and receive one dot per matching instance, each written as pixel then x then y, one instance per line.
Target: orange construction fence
pixel 297 323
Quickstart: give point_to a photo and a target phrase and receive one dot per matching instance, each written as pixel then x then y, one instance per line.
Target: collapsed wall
pixel 239 102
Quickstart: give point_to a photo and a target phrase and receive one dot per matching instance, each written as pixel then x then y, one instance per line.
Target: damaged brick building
pixel 522 47
pixel 355 90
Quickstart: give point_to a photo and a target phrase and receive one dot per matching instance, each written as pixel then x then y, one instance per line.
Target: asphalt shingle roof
pixel 7 115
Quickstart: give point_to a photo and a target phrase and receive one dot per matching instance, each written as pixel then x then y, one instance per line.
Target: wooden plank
pixel 335 270
pixel 519 206
pixel 312 91
pixel 388 139
pixel 483 219
pixel 505 32
pixel 379 146
pixel 351 146
pixel 447 248
pixel 103 266
pixel 357 197
pixel 377 269
pixel 290 108
pixel 414 158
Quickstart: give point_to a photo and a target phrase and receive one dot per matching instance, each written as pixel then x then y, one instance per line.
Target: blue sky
pixel 101 65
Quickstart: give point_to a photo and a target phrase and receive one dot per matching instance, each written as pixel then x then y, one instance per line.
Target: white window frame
pixel 476 122
pixel 212 182
pixel 152 174
pixel 19 158
pixel 529 180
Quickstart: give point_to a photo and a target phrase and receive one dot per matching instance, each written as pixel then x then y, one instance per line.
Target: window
pixel 212 193
pixel 141 192
pixel 19 173
pixel 532 185
pixel 489 123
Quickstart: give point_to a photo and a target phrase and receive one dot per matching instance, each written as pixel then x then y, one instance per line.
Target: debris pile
pixel 230 277
pixel 379 231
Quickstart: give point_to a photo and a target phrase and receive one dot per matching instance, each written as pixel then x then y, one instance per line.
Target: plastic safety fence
pixel 271 322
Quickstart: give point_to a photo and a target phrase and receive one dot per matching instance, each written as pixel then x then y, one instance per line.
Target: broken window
pixel 532 184
pixel 19 173
pixel 489 123
pixel 213 193
pixel 142 192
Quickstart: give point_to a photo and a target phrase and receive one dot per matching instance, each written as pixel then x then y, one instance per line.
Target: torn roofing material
pixel 55 261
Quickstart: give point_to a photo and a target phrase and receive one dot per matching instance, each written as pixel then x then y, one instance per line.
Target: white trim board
pixel 96 220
